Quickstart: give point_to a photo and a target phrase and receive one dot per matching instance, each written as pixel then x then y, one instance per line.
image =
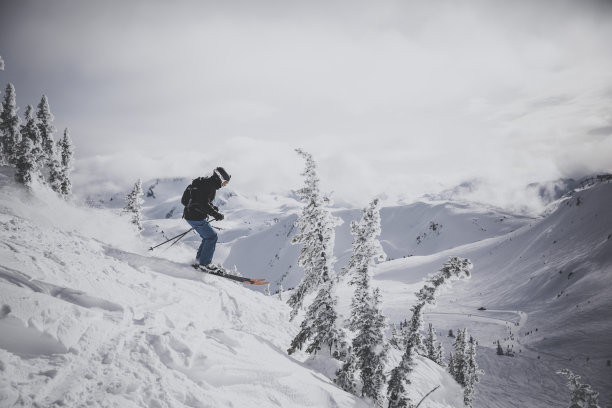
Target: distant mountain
pixel 554 190
pixel 545 290
pixel 418 229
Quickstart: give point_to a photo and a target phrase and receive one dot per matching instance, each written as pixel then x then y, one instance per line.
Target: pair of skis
pixel 241 279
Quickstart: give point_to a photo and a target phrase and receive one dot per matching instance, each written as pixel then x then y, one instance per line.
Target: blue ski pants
pixel 209 241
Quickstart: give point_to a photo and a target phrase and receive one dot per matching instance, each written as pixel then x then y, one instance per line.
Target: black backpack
pixel 186 198
pixel 193 209
pixel 189 191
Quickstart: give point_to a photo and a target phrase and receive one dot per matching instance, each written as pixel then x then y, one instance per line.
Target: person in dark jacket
pixel 198 201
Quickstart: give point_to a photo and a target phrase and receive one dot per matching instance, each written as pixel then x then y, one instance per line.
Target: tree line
pixel 359 344
pixel 29 145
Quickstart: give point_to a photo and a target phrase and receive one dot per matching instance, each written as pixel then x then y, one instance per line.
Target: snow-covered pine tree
pixel 133 204
pixel 45 119
pixel 30 130
pixel 429 343
pixel 10 135
pixel 366 318
pixel 460 358
pixel 51 162
pixel 581 395
pixel 454 268
pixel 366 247
pixel 1 63
pixel 315 227
pixel 25 165
pixel 280 291
pixel 319 326
pixel 345 376
pixel 66 152
pixel 396 390
pixel 370 350
pixel 451 364
pixel 433 350
pixel 440 354
pixel 472 373
pixel 366 250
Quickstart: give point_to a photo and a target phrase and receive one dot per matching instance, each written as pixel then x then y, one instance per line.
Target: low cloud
pixel 404 98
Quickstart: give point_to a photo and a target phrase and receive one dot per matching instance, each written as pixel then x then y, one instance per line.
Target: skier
pixel 197 199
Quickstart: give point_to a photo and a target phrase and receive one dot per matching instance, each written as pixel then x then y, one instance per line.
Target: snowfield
pixel 90 317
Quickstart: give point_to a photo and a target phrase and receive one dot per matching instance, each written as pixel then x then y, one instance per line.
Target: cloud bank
pixel 394 97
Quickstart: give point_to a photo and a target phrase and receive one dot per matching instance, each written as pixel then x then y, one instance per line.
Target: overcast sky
pixel 392 97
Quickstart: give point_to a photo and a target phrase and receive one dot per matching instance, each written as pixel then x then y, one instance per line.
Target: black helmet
pixel 222 174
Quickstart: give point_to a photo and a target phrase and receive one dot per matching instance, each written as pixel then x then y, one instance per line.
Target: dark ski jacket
pixel 198 198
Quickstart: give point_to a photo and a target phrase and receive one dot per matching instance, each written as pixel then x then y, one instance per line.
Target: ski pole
pixel 181 235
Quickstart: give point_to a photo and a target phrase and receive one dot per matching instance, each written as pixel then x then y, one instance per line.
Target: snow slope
pixel 545 283
pixel 88 317
pixel 76 286
pixel 546 288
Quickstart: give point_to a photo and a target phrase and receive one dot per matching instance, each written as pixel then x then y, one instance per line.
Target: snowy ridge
pixel 90 317
pixel 405 232
pixel 546 290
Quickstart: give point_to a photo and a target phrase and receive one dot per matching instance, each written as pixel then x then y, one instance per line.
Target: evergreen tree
pixel 366 250
pixel 370 350
pixel 133 204
pixel 280 291
pixel 66 151
pixel 366 318
pixel 460 358
pixel 462 365
pixel 10 136
pixel 45 119
pixel 316 233
pixel 451 365
pixel 51 161
pixel 366 247
pixel 319 324
pixel 396 390
pixel 440 354
pixel 454 268
pixel 25 165
pixel 345 376
pixel 30 130
pixel 54 172
pixel 581 395
pixel 1 63
pixel 433 350
pixel 472 373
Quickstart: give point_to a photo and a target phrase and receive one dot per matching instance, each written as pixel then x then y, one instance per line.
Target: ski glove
pixel 218 217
